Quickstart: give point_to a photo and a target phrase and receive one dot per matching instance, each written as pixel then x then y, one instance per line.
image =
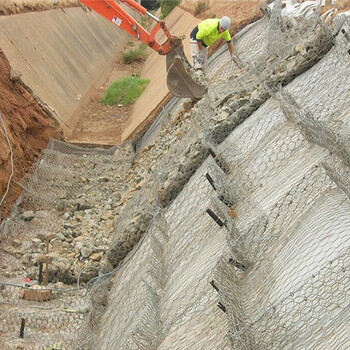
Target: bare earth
pixel 101 124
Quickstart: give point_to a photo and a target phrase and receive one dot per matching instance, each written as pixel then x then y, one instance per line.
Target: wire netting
pixel 238 237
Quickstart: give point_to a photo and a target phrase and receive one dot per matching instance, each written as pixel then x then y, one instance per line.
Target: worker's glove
pixel 237 61
pixel 201 57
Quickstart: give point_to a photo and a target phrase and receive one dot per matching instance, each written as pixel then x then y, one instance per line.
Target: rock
pixel 67 225
pixel 79 217
pixel 36 241
pixel 103 179
pixel 16 242
pixel 95 257
pixel 116 196
pixel 15 75
pixel 28 215
pixel 82 205
pixel 60 236
pixel 100 249
pixel 59 285
pixel 222 116
pixel 42 236
pixel 61 205
pixel 66 216
pixel 84 179
pixel 41 258
pixel 69 239
pixel 86 252
pixel 25 259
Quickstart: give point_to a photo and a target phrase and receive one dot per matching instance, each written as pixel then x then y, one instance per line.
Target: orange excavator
pixel 180 77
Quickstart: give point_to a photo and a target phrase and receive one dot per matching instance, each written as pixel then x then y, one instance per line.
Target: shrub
pixel 132 55
pixel 166 6
pixel 200 7
pixel 125 90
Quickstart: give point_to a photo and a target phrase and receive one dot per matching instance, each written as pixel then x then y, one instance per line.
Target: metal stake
pixel 21 332
pixel 47 261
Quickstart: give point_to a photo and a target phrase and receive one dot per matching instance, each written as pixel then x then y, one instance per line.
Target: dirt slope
pixel 10 7
pixel 28 127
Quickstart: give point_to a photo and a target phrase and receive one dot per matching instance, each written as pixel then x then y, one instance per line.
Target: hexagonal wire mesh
pixel 246 257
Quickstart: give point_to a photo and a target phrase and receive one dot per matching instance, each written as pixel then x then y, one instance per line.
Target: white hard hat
pixel 225 23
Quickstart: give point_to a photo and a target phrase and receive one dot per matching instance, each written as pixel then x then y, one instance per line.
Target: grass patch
pixel 167 6
pixel 133 55
pixel 125 90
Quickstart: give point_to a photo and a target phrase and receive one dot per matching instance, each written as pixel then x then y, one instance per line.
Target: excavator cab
pixel 181 79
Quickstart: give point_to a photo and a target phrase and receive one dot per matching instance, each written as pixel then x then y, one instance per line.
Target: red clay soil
pixel 29 130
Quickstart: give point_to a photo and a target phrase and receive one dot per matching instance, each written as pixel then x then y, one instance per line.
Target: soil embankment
pixel 28 127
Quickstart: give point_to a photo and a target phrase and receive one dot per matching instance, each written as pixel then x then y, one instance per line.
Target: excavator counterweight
pixel 180 76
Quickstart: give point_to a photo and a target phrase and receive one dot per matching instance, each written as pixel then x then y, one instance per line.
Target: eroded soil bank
pixel 28 127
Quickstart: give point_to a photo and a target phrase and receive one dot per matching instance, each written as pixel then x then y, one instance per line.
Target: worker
pixel 205 34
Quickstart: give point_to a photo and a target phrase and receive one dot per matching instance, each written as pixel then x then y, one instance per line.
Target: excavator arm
pixel 179 79
pixel 112 11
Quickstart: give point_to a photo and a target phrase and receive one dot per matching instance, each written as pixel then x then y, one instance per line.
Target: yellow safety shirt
pixel 208 32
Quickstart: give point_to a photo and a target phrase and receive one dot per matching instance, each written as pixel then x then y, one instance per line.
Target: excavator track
pixel 180 79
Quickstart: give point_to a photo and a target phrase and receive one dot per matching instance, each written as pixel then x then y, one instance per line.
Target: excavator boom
pixel 179 79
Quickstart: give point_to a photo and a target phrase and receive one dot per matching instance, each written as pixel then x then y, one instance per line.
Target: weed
pixel 145 22
pixel 125 90
pixel 132 55
pixel 56 346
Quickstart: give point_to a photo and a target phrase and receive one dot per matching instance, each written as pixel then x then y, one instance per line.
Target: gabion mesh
pixel 239 238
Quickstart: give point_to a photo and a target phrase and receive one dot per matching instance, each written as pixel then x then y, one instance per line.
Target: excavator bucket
pixel 181 80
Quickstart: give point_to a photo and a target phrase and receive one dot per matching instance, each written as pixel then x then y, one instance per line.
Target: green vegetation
pixel 145 22
pixel 125 91
pixel 132 55
pixel 166 6
pixel 201 7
